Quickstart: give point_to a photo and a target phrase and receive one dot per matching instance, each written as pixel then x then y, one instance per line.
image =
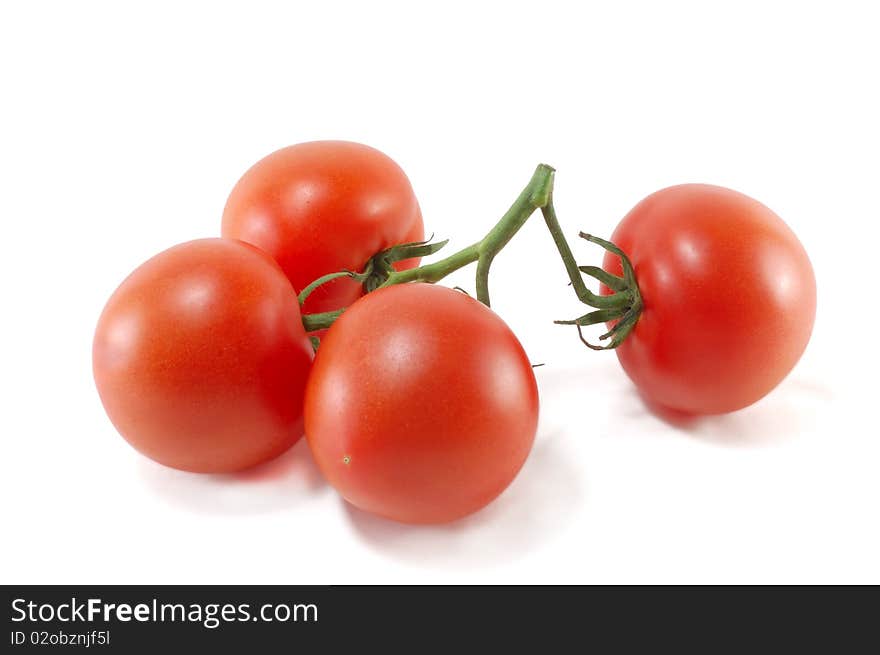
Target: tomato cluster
pixel 421 405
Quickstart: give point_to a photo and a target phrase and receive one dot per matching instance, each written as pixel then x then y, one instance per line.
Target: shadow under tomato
pixel 597 384
pixel 536 508
pixel 673 417
pixel 786 412
pixel 274 486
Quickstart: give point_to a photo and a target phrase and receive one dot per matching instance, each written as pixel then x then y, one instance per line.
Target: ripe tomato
pixel 201 359
pixel 323 207
pixel 422 405
pixel 729 298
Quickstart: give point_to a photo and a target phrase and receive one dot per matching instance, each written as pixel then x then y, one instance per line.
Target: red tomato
pixel 323 207
pixel 201 359
pixel 422 405
pixel 729 298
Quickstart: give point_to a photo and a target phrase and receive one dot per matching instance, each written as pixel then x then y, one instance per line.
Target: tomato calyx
pixel 622 307
pixel 380 267
pixel 376 272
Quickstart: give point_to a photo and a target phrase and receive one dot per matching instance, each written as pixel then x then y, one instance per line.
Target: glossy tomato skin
pixel 729 298
pixel 201 360
pixel 322 207
pixel 422 405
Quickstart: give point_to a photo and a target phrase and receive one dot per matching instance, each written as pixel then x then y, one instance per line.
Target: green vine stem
pixel 379 271
pixel 535 195
pixel 320 321
pixel 622 307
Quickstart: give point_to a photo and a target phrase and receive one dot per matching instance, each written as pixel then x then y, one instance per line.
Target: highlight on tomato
pixel 322 207
pixel 422 405
pixel 200 357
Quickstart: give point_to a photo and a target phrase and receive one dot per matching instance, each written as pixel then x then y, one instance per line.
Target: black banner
pixel 326 619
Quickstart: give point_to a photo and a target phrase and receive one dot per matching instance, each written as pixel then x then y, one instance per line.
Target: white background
pixel 123 129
